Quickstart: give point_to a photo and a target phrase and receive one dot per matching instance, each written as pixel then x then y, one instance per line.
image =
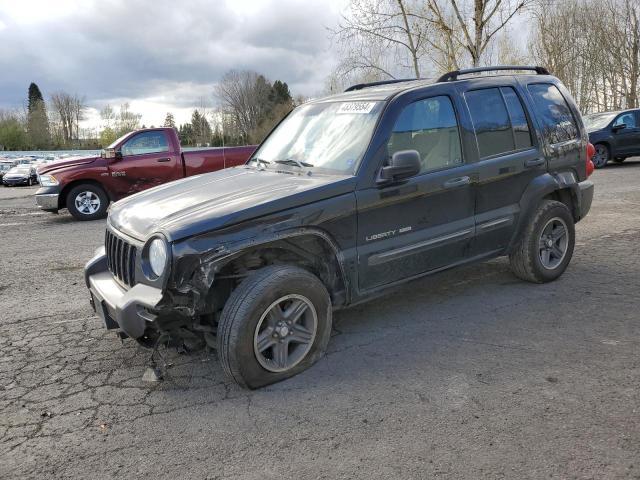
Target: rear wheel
pixel 546 247
pixel 87 202
pixel 276 324
pixel 619 159
pixel 601 157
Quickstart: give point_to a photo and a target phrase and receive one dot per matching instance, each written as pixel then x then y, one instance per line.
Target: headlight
pixel 158 256
pixel 47 180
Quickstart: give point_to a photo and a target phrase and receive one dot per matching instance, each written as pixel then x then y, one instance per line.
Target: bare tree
pixel 243 97
pixel 127 121
pixel 474 23
pixel 593 46
pixel 378 36
pixel 68 112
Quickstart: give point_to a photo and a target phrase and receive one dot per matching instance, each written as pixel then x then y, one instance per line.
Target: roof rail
pixel 452 76
pixel 360 86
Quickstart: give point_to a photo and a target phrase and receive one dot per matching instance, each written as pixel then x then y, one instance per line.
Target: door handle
pixel 534 162
pixel 457 182
pixel 164 160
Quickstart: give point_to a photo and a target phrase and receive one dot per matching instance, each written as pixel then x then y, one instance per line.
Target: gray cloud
pixel 166 50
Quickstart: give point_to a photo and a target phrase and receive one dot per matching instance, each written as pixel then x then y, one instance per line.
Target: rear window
pixel 499 121
pixel 558 123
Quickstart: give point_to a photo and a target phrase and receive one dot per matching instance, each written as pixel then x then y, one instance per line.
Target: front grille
pixel 121 258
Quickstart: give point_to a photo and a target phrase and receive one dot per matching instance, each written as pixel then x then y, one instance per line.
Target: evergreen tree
pixel 169 121
pixel 201 128
pixel 37 121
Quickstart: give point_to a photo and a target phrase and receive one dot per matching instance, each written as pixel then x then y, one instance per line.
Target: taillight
pixel 591 151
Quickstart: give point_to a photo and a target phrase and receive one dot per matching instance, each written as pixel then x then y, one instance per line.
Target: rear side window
pixel 519 124
pixel 491 121
pixel 146 142
pixel 558 124
pixel 430 127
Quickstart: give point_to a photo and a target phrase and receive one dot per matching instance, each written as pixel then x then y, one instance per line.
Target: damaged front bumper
pixel 130 310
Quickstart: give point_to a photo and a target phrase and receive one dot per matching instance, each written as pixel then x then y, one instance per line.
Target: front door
pixel 426 222
pixel 628 138
pixel 146 162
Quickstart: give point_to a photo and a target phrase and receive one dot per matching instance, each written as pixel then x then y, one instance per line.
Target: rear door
pixel 426 222
pixel 628 138
pixel 509 160
pixel 147 160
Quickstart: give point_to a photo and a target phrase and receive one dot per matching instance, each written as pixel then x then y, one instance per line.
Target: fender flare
pixel 539 188
pixel 217 259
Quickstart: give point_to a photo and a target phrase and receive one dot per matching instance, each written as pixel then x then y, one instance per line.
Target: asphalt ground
pixel 467 374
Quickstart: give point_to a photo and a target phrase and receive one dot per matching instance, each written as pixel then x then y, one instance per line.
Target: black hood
pixel 211 201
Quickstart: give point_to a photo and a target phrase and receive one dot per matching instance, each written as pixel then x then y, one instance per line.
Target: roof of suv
pixel 384 91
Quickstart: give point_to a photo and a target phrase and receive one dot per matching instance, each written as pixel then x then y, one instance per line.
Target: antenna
pixel 224 158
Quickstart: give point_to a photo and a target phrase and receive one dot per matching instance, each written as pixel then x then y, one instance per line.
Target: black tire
pixel 101 212
pixel 249 303
pixel 525 259
pixel 29 182
pixel 619 159
pixel 602 155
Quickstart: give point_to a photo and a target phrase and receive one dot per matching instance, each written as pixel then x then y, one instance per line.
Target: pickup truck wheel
pixel 276 324
pixel 87 202
pixel 601 157
pixel 546 247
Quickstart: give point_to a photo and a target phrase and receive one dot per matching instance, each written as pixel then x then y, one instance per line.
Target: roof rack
pixel 360 86
pixel 452 76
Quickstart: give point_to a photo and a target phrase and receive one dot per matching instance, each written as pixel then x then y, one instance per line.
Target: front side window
pixel 329 135
pixel 626 119
pixel 558 123
pixel 146 142
pixel 430 127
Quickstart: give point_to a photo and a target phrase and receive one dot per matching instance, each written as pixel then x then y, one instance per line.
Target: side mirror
pixel 111 153
pixel 619 126
pixel 404 164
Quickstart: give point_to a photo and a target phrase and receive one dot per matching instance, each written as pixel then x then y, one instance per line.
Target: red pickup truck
pixel 136 161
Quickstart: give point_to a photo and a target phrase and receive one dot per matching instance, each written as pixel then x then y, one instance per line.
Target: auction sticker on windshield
pixel 356 107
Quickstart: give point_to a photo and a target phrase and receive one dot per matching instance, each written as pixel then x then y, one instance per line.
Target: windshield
pixel 4 167
pixel 598 120
pixel 330 136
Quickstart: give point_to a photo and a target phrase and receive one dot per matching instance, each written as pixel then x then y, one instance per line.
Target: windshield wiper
pixel 261 161
pixel 293 161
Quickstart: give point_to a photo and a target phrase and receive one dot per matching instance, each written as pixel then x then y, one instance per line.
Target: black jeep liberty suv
pixel 348 195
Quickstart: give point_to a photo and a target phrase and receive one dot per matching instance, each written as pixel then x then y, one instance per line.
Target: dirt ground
pixel 468 374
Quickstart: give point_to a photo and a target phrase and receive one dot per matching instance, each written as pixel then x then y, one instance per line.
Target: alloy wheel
pixel 553 243
pixel 87 202
pixel 285 333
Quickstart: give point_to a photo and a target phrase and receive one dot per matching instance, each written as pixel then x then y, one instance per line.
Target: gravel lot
pixel 469 374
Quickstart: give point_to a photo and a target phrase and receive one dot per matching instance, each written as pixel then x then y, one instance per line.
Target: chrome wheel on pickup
pixel 87 202
pixel 275 324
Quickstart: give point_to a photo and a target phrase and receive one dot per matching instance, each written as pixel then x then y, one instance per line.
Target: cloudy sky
pixel 160 55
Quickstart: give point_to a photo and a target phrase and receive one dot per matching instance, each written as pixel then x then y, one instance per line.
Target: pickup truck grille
pixel 121 258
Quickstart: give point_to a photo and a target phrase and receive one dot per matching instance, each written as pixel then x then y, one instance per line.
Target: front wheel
pixel 546 247
pixel 276 324
pixel 87 202
pixel 601 157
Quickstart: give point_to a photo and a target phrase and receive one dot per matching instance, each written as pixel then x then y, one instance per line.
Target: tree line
pixel 593 46
pixel 248 106
pixel 42 127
